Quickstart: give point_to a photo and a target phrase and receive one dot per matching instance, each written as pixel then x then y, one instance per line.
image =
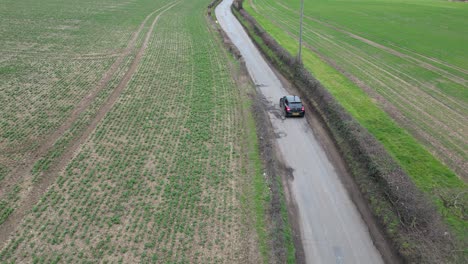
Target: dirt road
pixel 331 227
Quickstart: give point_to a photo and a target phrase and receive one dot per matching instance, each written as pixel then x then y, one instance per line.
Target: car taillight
pixel 303 109
pixel 288 109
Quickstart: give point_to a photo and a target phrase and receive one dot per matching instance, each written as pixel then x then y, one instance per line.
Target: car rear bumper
pixel 294 114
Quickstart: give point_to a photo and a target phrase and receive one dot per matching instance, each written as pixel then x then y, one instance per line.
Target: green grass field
pixel 54 51
pixel 401 69
pixel 407 55
pixel 63 61
pixel 159 170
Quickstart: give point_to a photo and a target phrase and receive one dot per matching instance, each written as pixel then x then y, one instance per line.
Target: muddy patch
pixel 289 172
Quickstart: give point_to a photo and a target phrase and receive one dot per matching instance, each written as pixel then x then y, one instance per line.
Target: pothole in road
pixel 277 113
pixel 338 254
pixel 280 134
pixel 272 108
pixel 289 173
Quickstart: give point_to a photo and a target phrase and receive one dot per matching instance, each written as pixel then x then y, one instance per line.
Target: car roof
pixel 293 98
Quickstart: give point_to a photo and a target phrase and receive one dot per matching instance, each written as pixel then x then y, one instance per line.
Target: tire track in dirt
pixel 433 138
pixel 24 167
pixel 416 120
pixel 394 81
pixel 443 63
pixel 429 90
pixel 428 66
pixel 434 144
pixel 417 104
pixel 252 4
pixel 423 86
pixel 31 195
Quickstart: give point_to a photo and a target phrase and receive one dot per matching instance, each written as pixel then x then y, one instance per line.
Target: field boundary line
pixel 32 195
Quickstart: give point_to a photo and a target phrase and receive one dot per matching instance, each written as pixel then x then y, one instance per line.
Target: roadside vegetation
pixel 160 165
pixel 445 189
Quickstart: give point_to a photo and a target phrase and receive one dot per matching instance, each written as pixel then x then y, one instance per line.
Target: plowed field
pixel 121 136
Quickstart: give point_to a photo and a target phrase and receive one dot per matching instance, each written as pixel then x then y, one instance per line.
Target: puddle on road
pixel 289 173
pixel 338 255
pixel 272 108
pixel 280 134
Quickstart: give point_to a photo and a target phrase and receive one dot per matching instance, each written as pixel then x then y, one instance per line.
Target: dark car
pixel 292 106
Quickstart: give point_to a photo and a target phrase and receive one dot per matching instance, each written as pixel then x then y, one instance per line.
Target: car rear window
pixel 296 103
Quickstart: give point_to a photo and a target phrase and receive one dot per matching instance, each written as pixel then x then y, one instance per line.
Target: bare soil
pixel 32 192
pixel 25 167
